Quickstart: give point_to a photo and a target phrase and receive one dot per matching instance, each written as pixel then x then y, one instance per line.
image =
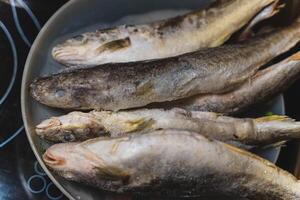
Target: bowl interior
pixel 79 16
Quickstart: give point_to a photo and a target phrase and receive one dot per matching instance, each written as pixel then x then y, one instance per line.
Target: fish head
pixel 76 51
pixel 75 126
pixel 47 91
pixel 90 49
pixel 71 161
pixel 51 129
pixel 76 162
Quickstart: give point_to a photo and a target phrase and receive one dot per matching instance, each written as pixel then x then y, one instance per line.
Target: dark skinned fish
pixel 265 85
pixel 171 163
pixel 79 126
pixel 128 85
pixel 203 28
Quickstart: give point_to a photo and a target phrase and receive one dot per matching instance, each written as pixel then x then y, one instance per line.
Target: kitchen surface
pixel 21 177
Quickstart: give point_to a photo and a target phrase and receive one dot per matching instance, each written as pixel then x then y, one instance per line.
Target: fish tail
pixel 277 6
pixel 273 118
pixel 266 13
pixel 294 57
pixel 275 128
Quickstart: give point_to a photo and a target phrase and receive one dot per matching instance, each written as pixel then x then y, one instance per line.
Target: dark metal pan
pixel 79 16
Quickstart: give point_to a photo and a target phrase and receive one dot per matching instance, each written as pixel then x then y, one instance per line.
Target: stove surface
pixel 21 177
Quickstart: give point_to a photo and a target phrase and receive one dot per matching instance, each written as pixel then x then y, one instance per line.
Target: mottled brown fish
pixel 171 163
pixel 79 126
pixel 265 85
pixel 208 27
pixel 128 85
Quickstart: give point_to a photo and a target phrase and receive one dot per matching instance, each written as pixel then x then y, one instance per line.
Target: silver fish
pixel 266 13
pixel 129 85
pixel 171 163
pixel 79 126
pixel 203 28
pixel 265 85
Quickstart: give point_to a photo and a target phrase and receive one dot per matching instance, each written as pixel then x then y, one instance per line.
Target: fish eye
pixel 78 37
pixel 59 93
pixel 69 137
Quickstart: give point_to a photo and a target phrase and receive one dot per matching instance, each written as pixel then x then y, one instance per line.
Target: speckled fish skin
pixel 265 85
pixel 79 126
pixel 204 28
pixel 151 164
pixel 129 85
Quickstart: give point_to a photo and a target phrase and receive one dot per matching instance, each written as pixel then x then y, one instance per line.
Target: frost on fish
pixel 106 87
pixel 208 27
pixel 171 163
pixel 79 126
pixel 265 85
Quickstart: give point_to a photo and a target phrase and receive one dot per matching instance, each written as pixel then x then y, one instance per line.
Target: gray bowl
pixel 79 16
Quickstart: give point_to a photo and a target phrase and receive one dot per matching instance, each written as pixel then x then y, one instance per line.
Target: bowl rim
pixel 24 95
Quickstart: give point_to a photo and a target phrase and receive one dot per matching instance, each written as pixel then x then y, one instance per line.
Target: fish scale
pixel 187 160
pixel 246 132
pixel 203 28
pixel 116 88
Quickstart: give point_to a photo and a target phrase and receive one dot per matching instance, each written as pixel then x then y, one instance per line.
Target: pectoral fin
pixel 114 45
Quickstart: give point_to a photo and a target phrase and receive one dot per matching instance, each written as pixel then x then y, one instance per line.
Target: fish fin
pixel 295 56
pixel 114 45
pixel 244 152
pixel 139 124
pixel 144 89
pixel 273 118
pixel 112 173
pixel 277 6
pixel 264 14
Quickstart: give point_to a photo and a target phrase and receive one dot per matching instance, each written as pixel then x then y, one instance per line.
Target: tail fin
pixel 273 118
pixel 295 56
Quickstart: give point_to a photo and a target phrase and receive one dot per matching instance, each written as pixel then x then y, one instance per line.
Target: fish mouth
pixel 46 125
pixel 35 91
pixel 39 88
pixel 66 55
pixel 52 160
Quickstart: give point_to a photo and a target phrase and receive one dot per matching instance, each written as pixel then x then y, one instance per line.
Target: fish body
pixel 79 126
pixel 265 85
pixel 171 163
pixel 208 27
pixel 129 85
pixel 264 14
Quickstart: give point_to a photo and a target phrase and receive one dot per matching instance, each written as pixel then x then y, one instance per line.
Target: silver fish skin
pixel 79 126
pixel 265 85
pixel 129 85
pixel 208 27
pixel 151 164
pixel 268 12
